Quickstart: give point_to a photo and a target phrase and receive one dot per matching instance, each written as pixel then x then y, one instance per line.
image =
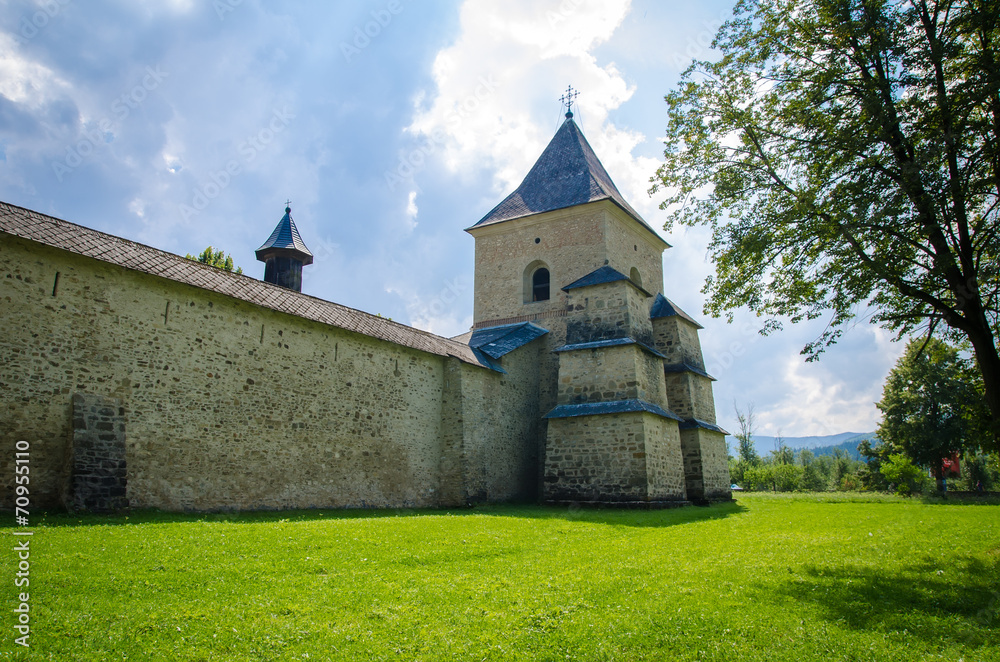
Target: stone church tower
pixel 629 415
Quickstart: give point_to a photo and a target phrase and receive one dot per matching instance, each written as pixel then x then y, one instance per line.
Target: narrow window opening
pixel 540 285
pixel 55 284
pixel 635 277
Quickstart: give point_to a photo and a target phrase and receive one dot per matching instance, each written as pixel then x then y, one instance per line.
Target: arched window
pixel 635 277
pixel 540 285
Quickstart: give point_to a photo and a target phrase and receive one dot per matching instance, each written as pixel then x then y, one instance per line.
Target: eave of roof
pixel 687 367
pixel 63 235
pixel 600 276
pixel 616 407
pixel 497 341
pixel 664 307
pixel 612 342
pixel 693 423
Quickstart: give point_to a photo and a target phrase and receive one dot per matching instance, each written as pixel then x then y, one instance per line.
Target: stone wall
pixel 691 396
pixel 664 464
pixel 571 243
pixel 632 457
pixel 677 339
pixel 499 429
pixel 606 311
pixel 231 405
pixel 715 465
pixel 99 474
pixel 606 374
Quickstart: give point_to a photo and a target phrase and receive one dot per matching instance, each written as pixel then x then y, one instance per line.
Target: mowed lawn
pixel 770 577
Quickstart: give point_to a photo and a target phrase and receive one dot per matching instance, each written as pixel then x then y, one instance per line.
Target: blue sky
pixel 391 125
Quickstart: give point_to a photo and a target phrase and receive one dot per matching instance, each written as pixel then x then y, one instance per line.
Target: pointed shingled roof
pixel 664 307
pixel 285 239
pixel 568 173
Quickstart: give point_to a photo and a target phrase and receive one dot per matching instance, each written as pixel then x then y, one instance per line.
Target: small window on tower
pixel 635 277
pixel 540 285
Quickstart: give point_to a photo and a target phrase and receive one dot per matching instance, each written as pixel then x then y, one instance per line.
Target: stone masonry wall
pixel 592 458
pixel 677 339
pixel 691 396
pixel 607 311
pixel 664 466
pixel 571 243
pixel 607 374
pixel 229 405
pixel 715 465
pixel 99 477
pixel 630 245
pixel 500 445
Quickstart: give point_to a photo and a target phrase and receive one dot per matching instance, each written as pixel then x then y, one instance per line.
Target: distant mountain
pixel 850 447
pixel 824 445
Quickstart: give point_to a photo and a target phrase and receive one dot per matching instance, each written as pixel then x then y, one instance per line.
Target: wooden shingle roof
pixel 57 233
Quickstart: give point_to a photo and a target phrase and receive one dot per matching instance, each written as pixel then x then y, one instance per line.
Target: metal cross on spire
pixel 288 205
pixel 567 100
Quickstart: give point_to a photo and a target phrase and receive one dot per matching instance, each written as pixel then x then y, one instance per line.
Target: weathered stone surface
pixel 231 405
pixel 99 479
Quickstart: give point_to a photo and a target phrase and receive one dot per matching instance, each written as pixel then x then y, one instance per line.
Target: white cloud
pixel 506 69
pixel 411 210
pixel 26 82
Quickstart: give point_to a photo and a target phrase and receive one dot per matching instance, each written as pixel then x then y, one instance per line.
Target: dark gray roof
pixel 77 239
pixel 692 423
pixel 687 367
pixel 568 173
pixel 664 307
pixel 613 342
pixel 496 341
pixel 602 275
pixel 285 239
pixel 616 407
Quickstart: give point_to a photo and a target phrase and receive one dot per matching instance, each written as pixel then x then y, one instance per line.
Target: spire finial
pixel 288 206
pixel 567 100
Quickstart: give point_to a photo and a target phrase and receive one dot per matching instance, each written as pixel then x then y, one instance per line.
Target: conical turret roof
pixel 285 239
pixel 568 173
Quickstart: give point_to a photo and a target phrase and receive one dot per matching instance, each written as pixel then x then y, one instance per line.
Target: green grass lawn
pixel 771 577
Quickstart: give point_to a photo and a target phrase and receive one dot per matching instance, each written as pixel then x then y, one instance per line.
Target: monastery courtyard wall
pixel 230 405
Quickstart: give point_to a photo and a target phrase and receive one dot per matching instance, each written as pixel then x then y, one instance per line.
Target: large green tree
pixel 846 154
pixel 931 406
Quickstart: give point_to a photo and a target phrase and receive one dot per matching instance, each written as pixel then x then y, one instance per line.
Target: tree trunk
pixel 988 361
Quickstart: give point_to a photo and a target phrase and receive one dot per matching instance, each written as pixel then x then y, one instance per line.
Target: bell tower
pixel 629 414
pixel 284 254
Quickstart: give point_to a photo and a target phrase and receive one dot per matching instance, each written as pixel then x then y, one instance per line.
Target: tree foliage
pixel 900 471
pixel 931 405
pixel 214 258
pixel 846 154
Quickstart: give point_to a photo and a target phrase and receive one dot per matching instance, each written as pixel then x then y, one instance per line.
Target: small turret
pixel 284 254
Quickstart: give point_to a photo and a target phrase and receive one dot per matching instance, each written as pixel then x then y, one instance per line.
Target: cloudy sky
pixel 391 125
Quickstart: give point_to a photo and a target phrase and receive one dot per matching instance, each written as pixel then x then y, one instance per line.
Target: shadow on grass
pixel 922 600
pixel 610 516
